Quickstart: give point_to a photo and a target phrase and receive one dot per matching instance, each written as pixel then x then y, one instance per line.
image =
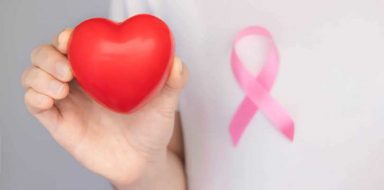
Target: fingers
pixel 60 42
pixel 44 83
pixel 47 58
pixel 37 102
pixel 47 80
pixel 42 107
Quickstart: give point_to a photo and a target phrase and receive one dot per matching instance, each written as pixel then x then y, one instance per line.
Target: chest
pixel 331 80
pixel 331 71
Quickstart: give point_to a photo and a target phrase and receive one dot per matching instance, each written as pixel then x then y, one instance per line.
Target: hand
pixel 117 146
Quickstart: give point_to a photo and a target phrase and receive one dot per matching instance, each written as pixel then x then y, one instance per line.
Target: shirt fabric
pixel 331 80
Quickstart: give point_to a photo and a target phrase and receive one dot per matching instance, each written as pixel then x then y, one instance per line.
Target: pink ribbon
pixel 257 90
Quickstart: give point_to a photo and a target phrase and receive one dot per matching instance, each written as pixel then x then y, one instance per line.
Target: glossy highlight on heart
pixel 121 65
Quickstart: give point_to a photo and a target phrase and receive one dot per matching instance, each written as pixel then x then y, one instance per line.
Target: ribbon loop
pixel 257 90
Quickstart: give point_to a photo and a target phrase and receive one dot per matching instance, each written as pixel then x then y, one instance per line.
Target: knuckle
pixel 168 108
pixel 34 52
pixel 62 70
pixel 44 102
pixel 170 89
pixel 27 98
pixel 42 55
pixel 35 76
pixel 28 77
pixel 35 100
pixel 167 112
pixel 45 47
pixel 24 76
pixel 38 78
pixel 64 92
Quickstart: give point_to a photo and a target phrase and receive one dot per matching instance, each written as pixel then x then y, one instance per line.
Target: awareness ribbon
pixel 257 90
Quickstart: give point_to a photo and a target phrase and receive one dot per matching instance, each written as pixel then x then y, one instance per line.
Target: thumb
pixel 166 101
pixel 161 111
pixel 177 78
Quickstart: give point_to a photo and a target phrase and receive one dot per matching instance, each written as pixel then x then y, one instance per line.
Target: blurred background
pixel 30 159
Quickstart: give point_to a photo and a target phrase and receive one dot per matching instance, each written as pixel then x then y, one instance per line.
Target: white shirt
pixel 331 80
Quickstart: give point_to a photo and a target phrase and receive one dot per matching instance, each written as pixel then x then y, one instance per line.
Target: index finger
pixel 60 42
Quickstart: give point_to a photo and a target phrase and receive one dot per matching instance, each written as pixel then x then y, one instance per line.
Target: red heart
pixel 121 65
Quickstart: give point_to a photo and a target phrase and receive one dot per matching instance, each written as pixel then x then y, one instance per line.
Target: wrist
pixel 153 167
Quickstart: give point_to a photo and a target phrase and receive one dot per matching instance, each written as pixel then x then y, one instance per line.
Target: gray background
pixel 30 159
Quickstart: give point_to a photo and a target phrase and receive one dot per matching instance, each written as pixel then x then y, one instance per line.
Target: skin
pixel 139 151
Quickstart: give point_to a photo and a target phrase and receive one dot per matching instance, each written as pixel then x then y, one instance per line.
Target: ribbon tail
pixel 274 112
pixel 277 115
pixel 241 119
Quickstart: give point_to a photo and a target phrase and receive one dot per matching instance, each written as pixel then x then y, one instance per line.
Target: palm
pixel 112 144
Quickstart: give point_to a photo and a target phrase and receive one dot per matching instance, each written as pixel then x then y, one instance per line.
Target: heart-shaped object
pixel 121 65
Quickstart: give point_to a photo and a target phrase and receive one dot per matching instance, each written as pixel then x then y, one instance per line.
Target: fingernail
pixel 181 68
pixel 56 87
pixel 62 70
pixel 179 65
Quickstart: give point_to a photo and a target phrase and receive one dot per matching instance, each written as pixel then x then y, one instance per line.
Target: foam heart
pixel 121 65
